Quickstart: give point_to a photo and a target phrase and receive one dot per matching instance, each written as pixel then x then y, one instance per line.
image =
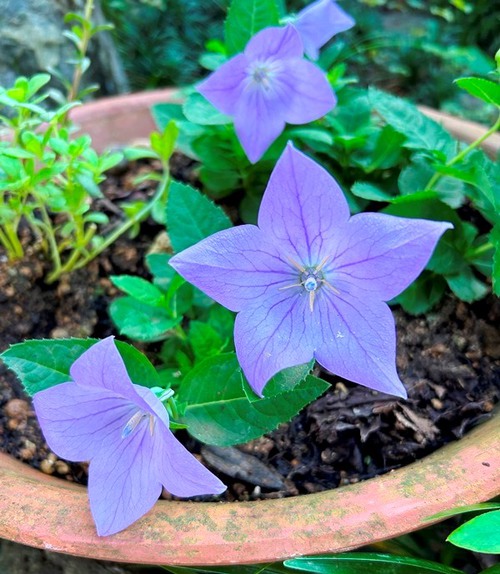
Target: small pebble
pixel 437 404
pixel 61 467
pixel 17 409
pixel 47 466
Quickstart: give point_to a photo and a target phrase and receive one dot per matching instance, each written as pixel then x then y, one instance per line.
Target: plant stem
pixel 11 244
pixel 465 152
pixel 84 44
pixel 113 236
pixel 484 248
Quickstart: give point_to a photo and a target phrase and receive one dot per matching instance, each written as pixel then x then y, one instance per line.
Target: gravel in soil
pixel 448 360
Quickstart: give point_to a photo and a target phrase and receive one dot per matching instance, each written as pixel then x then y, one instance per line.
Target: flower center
pixel 310 283
pixel 134 422
pixel 261 73
pixel 311 279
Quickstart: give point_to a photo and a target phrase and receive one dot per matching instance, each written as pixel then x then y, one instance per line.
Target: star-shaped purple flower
pixel 268 85
pixel 310 281
pixel 320 22
pixel 123 430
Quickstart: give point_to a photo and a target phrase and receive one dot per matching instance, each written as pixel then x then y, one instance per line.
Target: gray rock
pixel 31 41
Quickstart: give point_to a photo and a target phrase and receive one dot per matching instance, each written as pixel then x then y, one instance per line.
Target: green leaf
pixel 188 132
pixel 466 285
pixel 163 143
pixel 41 364
pixel 218 411
pixel 311 134
pixel 205 340
pixel 371 192
pixel 495 239
pixel 191 216
pixel 485 90
pixel 158 265
pixel 239 569
pixel 462 509
pixel 139 288
pixel 140 321
pixel 415 177
pixel 425 292
pixel 480 534
pixel 200 111
pixel 36 83
pixel 368 563
pixel 245 18
pixel 421 132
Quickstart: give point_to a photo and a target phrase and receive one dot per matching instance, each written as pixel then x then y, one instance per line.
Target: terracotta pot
pixel 46 512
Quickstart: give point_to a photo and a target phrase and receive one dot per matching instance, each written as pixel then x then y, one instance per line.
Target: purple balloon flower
pixel 123 430
pixel 320 22
pixel 310 281
pixel 268 85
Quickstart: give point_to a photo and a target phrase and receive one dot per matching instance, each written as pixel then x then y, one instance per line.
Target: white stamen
pixel 132 423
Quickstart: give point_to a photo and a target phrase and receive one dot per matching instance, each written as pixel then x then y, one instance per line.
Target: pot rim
pixel 193 534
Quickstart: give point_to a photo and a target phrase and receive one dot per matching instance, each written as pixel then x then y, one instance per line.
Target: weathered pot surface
pixel 46 512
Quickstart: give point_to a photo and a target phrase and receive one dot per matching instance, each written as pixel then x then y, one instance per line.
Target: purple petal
pixel 275 43
pixel 75 421
pixel 383 254
pixel 224 87
pixel 357 340
pixel 180 472
pixel 319 22
pixel 101 367
pixel 274 334
pixel 259 119
pixel 124 480
pixel 234 266
pixel 303 208
pixel 313 96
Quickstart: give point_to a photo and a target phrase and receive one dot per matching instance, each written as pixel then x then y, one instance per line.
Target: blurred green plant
pixel 49 176
pixel 159 41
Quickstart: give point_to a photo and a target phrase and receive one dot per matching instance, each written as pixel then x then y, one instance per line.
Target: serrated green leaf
pixel 139 288
pixel 282 382
pixel 140 321
pixel 480 534
pixel 368 563
pixel 485 90
pixel 200 111
pixel 205 340
pixel 191 216
pixel 218 411
pixel 421 132
pixel 40 364
pixel 244 19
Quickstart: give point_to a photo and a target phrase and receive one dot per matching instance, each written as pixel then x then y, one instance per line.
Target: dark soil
pixel 449 362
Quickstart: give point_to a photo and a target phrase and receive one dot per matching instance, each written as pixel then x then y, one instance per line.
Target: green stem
pixel 484 248
pixel 84 44
pixel 11 243
pixel 114 235
pixel 71 262
pixel 465 152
